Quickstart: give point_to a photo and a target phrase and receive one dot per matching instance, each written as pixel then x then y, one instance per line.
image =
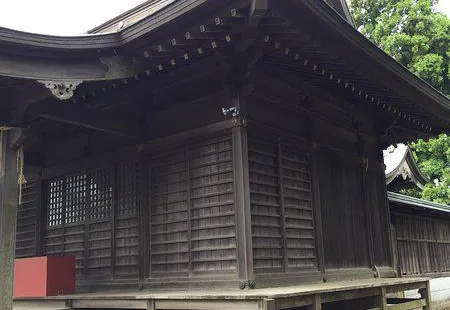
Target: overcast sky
pixel 74 17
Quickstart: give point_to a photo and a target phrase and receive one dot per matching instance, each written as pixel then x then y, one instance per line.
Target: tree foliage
pixel 433 158
pixel 414 34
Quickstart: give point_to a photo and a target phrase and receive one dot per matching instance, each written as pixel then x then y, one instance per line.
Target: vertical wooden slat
pixel 86 234
pixel 317 209
pixel 368 214
pixel 188 205
pixel 115 190
pixel 282 208
pixel 148 190
pixel 42 203
pixel 144 214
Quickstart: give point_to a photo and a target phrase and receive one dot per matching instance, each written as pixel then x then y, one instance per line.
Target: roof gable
pixel 341 7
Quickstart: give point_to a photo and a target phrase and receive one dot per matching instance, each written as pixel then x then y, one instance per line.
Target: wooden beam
pixel 258 10
pixel 8 218
pixel 382 303
pixel 87 117
pixel 94 69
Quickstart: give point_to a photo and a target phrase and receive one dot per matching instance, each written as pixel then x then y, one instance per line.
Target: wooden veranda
pixel 373 294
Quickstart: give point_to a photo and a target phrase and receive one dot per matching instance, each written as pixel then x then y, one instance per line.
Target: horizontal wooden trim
pixel 432 275
pixel 434 241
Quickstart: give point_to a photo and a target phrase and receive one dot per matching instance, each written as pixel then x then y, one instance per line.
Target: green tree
pixel 418 37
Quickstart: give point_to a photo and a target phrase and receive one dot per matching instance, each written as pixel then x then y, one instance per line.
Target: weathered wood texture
pixel 281 206
pixel 192 217
pixel 79 220
pixel 192 210
pixel 8 217
pixel 423 244
pixel 27 221
pixel 343 219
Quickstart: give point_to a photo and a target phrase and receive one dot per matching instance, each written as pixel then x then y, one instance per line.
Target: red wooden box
pixel 44 276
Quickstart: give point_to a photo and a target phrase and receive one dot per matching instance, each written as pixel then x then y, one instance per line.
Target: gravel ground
pixel 442 305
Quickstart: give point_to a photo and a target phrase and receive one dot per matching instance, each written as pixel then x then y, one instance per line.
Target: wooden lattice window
pixel 81 196
pixel 75 198
pixel 100 194
pixel 128 188
pixel 56 202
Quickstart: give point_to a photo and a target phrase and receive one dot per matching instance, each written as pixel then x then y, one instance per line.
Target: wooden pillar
pixel 8 218
pixel 317 303
pixel 382 305
pixel 426 294
pixel 242 193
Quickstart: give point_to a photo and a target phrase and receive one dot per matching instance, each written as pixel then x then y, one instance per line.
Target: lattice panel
pixel 265 206
pixel 99 248
pixel 75 200
pixel 128 189
pixel 296 187
pixel 213 244
pixel 169 214
pixel 127 248
pixel 26 221
pixel 100 194
pixel 56 202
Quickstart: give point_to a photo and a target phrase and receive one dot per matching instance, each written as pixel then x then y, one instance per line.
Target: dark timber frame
pixel 214 145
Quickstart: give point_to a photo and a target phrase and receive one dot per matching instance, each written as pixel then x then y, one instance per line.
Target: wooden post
pixel 382 301
pixel 317 303
pixel 242 196
pixel 426 294
pixel 8 218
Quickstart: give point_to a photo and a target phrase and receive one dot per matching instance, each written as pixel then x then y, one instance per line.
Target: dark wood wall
pixel 288 187
pixel 343 214
pixel 281 207
pixel 423 244
pixel 338 176
pixel 92 209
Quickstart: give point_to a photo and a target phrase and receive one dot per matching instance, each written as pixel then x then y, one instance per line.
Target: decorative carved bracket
pixel 61 90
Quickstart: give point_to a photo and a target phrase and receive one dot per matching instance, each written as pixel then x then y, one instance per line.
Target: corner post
pixel 242 192
pixel 8 216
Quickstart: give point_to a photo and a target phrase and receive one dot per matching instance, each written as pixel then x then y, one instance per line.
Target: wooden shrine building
pixel 202 145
